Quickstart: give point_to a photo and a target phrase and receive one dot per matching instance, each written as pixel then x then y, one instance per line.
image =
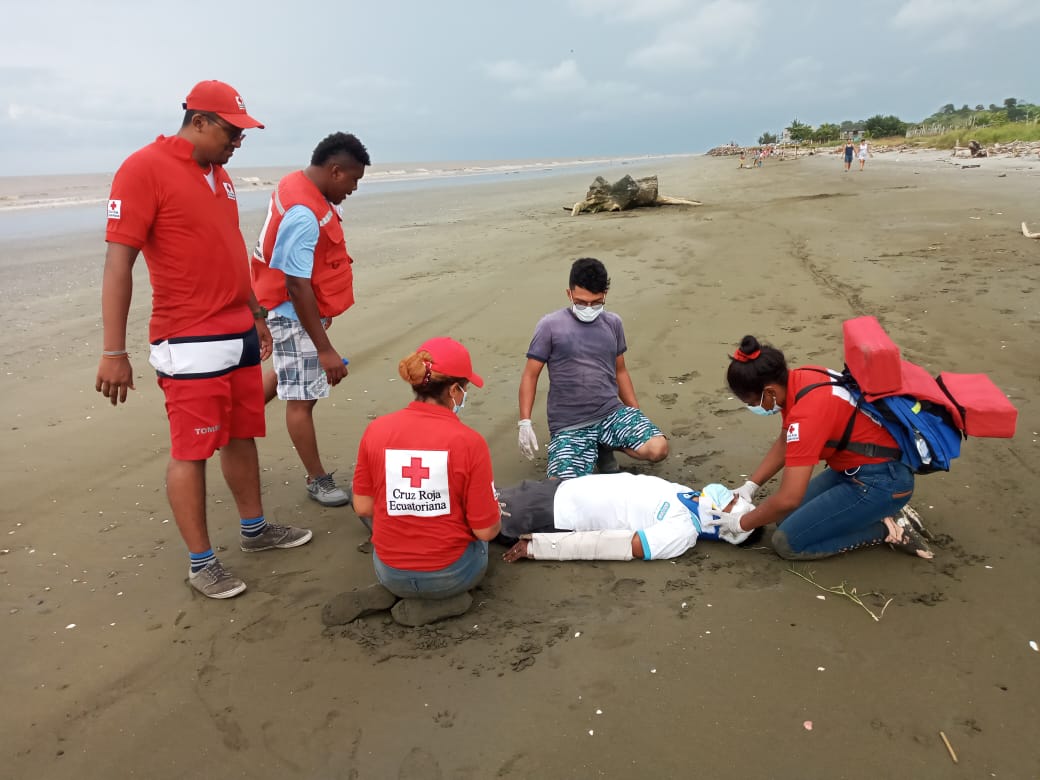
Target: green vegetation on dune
pixel 1012 121
pixel 950 118
pixel 987 136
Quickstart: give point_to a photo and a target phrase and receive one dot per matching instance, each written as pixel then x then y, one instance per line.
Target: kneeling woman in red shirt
pixel 425 480
pixel 849 505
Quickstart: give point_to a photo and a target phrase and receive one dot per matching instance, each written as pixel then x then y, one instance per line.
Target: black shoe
pixel 606 463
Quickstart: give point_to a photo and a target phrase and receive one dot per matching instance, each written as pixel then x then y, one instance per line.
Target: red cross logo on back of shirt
pixel 416 472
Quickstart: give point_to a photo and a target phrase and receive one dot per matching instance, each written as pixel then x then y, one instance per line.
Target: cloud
pixel 563 79
pixel 716 33
pixel 948 26
pixel 372 84
pixel 507 71
pixel 626 10
pixel 22 76
pixel 531 83
pixel 801 68
pixel 565 83
pixel 957 23
pixel 37 115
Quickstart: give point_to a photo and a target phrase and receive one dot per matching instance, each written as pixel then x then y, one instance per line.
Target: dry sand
pixel 705 666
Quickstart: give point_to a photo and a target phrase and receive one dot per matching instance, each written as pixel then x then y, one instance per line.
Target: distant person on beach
pixel 173 201
pixel 592 407
pixel 850 150
pixel 617 517
pixel 864 150
pixel 851 504
pixel 302 276
pixel 743 157
pixel 424 485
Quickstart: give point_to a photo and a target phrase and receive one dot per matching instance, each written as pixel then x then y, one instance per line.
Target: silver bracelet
pixel 114 352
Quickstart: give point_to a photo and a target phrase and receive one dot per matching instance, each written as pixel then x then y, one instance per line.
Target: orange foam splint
pixel 976 405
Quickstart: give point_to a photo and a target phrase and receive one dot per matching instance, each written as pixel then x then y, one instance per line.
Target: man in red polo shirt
pixel 173 201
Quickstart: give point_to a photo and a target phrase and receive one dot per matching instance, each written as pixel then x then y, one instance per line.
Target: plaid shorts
pixel 573 451
pixel 300 375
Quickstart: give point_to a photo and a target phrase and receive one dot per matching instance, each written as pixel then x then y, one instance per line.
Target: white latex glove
pixel 747 491
pixel 729 527
pixel 528 441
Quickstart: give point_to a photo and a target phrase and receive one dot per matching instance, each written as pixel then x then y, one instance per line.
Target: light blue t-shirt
pixel 294 250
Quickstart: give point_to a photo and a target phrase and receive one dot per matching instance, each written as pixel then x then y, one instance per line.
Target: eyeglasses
pixel 587 304
pixel 233 133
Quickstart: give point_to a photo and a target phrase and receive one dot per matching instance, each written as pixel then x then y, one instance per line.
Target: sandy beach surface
pixel 719 664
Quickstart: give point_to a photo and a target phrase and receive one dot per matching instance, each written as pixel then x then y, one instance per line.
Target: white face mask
pixel 587 313
pixel 458 407
pixel 718 496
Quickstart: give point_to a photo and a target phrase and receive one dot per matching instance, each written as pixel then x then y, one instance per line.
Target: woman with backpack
pixel 849 505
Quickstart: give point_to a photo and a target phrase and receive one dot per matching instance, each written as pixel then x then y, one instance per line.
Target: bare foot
pixel 903 536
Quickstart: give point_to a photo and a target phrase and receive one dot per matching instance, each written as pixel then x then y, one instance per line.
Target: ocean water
pixel 48 211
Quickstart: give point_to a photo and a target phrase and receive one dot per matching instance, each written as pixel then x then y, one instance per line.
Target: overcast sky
pixel 85 82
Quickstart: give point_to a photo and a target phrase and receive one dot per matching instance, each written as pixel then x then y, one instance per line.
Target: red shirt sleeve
pixel 807 428
pixel 132 203
pixel 362 484
pixel 481 509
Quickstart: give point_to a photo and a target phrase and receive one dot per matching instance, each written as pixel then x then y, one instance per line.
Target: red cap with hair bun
pixel 451 359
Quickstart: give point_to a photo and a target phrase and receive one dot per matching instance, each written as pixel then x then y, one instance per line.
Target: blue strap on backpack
pixel 928 442
pixel 927 439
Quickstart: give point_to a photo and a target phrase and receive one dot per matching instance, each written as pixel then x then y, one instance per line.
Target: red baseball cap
pixel 451 359
pixel 221 99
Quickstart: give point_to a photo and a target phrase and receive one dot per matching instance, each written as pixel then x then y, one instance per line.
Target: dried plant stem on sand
pixel 840 590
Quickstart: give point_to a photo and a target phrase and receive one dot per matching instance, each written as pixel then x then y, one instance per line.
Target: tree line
pixel 884 126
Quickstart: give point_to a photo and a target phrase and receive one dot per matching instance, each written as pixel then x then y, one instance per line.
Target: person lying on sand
pixel 596 517
pixel 614 517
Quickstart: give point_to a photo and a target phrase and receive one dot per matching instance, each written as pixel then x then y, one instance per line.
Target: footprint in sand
pixel 445 719
pixel 668 399
pixel 419 764
pixel 625 588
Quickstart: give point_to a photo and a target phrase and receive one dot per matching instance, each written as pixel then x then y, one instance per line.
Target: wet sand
pixel 710 665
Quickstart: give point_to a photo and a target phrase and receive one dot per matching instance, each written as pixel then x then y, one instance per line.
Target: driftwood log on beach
pixel 1027 233
pixel 626 193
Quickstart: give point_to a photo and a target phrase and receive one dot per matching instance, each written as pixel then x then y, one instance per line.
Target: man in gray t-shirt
pixel 592 407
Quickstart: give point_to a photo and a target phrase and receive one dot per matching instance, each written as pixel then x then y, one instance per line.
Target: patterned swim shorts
pixel 573 451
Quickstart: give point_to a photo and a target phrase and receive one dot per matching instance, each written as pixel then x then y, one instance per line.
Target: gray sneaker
pixel 326 492
pixel 281 536
pixel 215 581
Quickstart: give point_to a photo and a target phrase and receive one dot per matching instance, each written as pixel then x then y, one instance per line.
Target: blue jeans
pixel 842 512
pixel 458 577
